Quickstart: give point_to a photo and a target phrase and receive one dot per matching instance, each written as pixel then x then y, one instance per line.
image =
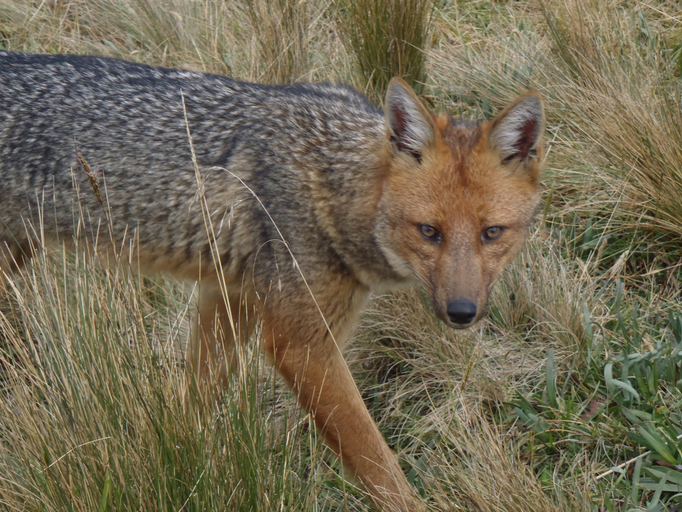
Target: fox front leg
pixel 305 353
pixel 223 320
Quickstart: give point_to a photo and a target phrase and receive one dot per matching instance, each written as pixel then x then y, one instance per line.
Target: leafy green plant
pixel 634 396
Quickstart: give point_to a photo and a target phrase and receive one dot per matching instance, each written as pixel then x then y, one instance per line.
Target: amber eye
pixel 493 233
pixel 429 232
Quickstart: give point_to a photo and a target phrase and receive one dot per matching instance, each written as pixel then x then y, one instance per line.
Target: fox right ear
pixel 517 132
pixel 409 123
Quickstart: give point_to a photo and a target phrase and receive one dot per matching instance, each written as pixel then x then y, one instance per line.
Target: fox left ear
pixel 517 131
pixel 409 123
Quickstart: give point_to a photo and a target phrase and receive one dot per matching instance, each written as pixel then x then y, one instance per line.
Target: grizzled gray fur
pixel 291 178
pixel 128 123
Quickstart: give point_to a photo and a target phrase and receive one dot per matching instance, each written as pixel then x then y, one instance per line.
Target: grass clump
pixel 282 34
pixel 629 101
pixel 97 414
pixel 607 76
pixel 388 39
pixel 250 40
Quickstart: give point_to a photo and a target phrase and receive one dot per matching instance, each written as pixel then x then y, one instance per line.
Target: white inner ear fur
pixel 406 119
pixel 508 135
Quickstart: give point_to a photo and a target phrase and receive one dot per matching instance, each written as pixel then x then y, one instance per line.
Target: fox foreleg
pixel 305 353
pixel 222 320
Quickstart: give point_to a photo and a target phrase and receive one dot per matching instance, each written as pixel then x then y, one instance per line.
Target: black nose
pixel 461 311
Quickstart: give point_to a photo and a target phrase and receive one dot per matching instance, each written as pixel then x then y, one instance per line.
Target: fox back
pixel 268 157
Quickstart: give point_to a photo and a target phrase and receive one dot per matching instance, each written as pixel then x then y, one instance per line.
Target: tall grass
pixel 282 34
pixel 482 461
pixel 608 77
pixel 388 39
pixel 248 39
pixel 197 35
pixel 97 415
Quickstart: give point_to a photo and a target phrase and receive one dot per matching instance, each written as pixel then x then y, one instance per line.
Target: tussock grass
pixel 515 414
pixel 178 34
pixel 481 461
pixel 629 104
pixel 281 30
pixel 97 414
pixel 248 40
pixel 388 39
pixel 549 300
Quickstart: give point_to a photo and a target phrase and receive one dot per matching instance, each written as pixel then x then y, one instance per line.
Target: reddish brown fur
pixel 462 189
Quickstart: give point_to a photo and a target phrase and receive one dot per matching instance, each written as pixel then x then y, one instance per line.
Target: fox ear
pixel 517 131
pixel 409 124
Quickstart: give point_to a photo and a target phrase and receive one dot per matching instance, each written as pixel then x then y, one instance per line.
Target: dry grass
pixel 436 392
pixel 95 405
pixel 387 38
pixel 481 461
pixel 248 40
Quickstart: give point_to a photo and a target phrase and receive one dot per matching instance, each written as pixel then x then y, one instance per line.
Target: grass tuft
pixel 613 99
pixel 387 38
pixel 95 415
pixel 281 31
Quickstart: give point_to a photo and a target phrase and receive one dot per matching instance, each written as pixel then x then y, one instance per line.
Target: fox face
pixel 457 198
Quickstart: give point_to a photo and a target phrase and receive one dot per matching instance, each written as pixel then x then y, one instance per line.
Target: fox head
pixel 458 197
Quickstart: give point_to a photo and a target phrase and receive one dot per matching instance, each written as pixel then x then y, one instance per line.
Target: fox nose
pixel 461 311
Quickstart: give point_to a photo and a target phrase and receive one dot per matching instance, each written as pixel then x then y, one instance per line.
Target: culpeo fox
pixel 314 198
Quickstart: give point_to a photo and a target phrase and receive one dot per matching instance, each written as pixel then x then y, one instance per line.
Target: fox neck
pixel 348 211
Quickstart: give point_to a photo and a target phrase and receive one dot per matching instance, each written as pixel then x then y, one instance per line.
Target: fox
pixel 289 205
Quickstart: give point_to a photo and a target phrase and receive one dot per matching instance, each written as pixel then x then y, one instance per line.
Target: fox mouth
pixel 461 326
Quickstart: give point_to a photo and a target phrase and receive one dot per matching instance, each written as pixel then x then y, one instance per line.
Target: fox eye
pixel 492 233
pixel 429 232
